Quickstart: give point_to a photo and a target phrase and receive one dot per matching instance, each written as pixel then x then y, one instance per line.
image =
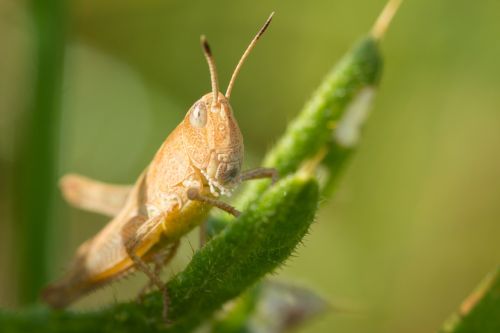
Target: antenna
pixel 211 66
pixel 245 55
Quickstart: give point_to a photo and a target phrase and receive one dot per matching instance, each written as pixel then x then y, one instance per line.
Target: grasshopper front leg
pixel 193 193
pixel 257 173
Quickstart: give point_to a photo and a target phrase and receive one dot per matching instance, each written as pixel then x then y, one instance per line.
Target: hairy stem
pixel 255 244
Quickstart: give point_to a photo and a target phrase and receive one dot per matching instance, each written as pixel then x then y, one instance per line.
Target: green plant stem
pixel 36 174
pixel 255 244
pixel 314 126
pixel 313 129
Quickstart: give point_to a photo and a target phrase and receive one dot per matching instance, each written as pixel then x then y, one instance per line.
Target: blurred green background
pixel 415 223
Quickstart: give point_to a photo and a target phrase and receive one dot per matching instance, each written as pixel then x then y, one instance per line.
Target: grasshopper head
pixel 210 131
pixel 213 139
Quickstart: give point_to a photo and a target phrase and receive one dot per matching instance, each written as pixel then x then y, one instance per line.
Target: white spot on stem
pixel 347 132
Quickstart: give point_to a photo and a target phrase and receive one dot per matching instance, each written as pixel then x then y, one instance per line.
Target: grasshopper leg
pixel 153 277
pixel 194 194
pixel 160 260
pixel 259 173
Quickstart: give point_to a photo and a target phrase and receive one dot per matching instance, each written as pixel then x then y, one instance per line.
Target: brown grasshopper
pixel 199 161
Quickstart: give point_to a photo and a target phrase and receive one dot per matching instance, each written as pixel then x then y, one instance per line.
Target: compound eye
pixel 198 117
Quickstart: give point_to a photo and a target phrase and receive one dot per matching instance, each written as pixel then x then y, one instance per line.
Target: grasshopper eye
pixel 198 117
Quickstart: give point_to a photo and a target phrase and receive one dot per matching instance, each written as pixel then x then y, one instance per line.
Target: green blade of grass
pixel 38 153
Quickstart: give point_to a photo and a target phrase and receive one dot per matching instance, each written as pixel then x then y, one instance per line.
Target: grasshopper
pixel 198 162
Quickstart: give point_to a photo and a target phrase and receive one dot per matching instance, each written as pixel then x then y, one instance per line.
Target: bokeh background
pixel 414 225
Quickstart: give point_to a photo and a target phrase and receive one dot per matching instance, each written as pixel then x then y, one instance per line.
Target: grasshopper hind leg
pixel 141 265
pixel 159 260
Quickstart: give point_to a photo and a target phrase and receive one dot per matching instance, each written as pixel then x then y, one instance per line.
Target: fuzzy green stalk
pixel 313 129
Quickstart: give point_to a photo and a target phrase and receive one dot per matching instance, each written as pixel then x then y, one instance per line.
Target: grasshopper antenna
pixel 213 70
pixel 245 55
